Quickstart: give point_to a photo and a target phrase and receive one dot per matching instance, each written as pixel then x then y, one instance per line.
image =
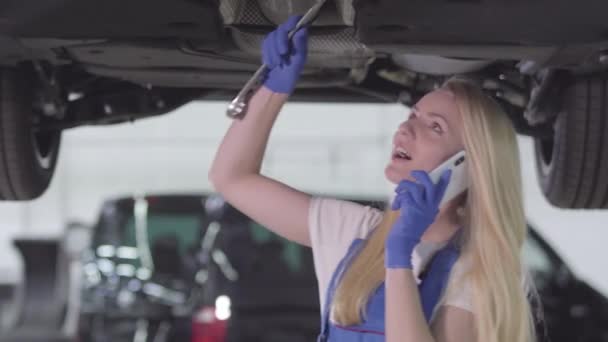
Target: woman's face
pixel 430 135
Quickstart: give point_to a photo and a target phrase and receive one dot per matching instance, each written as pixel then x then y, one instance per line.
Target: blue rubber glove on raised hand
pixel 418 203
pixel 284 59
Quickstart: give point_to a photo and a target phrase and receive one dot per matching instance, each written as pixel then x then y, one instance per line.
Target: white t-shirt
pixel 334 224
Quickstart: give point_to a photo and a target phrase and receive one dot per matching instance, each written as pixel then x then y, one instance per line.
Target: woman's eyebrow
pixel 436 115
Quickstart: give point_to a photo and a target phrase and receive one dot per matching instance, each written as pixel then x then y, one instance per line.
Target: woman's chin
pixel 392 175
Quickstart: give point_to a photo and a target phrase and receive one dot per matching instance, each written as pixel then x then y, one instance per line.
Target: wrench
pixel 238 107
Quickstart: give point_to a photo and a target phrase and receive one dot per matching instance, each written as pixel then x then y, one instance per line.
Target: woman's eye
pixel 436 127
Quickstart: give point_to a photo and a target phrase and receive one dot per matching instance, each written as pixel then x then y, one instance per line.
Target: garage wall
pixel 324 149
pixel 328 149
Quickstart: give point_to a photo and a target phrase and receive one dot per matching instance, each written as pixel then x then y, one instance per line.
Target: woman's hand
pixel 284 59
pixel 418 203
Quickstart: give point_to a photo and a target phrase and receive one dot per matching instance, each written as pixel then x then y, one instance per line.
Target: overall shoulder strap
pixel 352 251
pixel 435 277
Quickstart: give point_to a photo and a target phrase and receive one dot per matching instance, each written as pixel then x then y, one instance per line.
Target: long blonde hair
pixel 494 228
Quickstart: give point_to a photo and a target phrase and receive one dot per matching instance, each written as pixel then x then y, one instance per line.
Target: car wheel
pixel 27 156
pixel 572 164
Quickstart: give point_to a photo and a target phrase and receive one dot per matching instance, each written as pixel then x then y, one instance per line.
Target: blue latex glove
pixel 283 59
pixel 418 203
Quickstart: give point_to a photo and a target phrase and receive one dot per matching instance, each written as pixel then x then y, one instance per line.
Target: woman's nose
pixel 406 128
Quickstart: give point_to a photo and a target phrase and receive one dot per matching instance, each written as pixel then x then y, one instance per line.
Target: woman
pixel 370 264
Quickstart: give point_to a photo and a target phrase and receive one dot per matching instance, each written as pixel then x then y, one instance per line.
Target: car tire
pixel 572 164
pixel 27 156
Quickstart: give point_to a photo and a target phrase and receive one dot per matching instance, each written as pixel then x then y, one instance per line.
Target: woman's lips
pixel 397 159
pixel 402 152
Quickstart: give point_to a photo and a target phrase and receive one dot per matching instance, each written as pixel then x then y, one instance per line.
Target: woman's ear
pixel 462 204
pixel 459 203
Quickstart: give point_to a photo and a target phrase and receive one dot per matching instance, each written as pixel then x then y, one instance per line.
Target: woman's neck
pixel 438 233
pixel 445 226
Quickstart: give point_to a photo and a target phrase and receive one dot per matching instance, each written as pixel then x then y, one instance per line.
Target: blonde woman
pixel 420 271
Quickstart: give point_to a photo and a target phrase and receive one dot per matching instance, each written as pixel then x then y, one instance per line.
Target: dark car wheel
pixel 27 156
pixel 573 164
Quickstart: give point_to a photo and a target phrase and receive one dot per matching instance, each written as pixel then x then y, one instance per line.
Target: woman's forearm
pixel 242 149
pixel 405 320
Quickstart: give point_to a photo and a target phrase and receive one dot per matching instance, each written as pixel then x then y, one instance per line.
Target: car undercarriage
pixel 67 63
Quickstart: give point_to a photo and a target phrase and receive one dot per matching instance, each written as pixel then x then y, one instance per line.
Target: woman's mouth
pixel 401 154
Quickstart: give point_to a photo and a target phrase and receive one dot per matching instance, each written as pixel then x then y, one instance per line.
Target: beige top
pixel 334 224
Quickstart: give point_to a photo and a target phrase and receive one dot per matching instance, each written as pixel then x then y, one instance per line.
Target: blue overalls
pixel 433 281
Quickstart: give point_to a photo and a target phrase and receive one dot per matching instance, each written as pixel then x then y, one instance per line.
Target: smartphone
pixel 459 179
